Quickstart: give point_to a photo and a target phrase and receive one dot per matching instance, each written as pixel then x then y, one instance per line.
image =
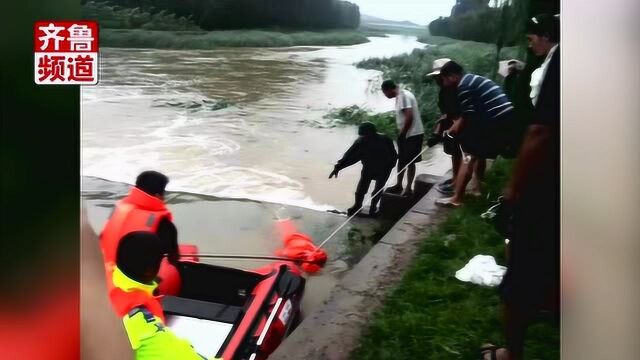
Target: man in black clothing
pixel 378 157
pixel 532 280
pixel 510 81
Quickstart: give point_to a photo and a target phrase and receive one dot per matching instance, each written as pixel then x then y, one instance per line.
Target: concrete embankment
pixel 334 329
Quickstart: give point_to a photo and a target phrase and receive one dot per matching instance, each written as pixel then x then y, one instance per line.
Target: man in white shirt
pixel 541 44
pixel 411 134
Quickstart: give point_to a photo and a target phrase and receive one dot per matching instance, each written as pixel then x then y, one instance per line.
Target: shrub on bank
pixel 202 40
pixel 354 115
pixel 410 71
pixel 116 17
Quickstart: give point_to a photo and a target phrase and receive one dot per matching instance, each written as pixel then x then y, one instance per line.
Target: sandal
pixel 447 202
pixel 407 193
pixel 491 349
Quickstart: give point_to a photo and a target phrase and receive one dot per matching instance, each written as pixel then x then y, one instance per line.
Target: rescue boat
pixel 235 314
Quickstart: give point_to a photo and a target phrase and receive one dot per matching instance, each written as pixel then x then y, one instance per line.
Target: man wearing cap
pixel 448 105
pixel 378 157
pixel 486 114
pixel 532 280
pixel 411 133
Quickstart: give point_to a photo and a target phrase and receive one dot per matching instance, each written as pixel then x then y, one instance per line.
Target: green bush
pixel 410 69
pixel 354 115
pixel 149 18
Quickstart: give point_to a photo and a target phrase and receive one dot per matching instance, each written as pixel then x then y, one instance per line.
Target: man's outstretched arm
pixel 350 157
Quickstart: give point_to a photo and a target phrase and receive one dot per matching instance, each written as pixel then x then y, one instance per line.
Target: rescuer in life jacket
pixel 138 259
pixel 143 209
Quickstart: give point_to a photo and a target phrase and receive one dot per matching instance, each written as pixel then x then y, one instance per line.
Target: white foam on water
pixel 208 178
pixel 191 163
pixel 226 152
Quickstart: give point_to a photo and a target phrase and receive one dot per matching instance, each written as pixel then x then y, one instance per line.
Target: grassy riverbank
pixel 431 314
pixel 410 71
pixel 203 40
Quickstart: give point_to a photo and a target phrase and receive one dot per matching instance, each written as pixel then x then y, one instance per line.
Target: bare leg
pixel 400 177
pixel 515 323
pixel 464 176
pixel 515 327
pixel 456 161
pixel 411 174
pixel 479 171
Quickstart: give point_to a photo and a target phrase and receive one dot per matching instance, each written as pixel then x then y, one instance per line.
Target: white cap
pixel 437 66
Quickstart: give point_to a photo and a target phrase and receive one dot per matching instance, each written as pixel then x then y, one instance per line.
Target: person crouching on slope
pixel 378 157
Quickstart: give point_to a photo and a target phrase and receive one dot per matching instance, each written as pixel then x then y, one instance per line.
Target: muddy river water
pixel 241 134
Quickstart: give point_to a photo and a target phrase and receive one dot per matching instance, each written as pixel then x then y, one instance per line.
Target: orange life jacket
pixel 138 211
pixel 128 294
pixel 125 301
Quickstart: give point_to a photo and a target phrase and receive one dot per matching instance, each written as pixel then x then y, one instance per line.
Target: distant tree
pixel 238 14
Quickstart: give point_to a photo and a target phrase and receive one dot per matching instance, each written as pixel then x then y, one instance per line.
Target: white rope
pixel 361 207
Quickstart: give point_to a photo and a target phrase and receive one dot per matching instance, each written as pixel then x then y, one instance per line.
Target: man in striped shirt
pixel 482 129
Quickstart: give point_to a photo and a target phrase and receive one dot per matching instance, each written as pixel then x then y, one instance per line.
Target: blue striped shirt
pixel 481 97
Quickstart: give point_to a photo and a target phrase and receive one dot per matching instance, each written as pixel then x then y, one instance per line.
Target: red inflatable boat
pixel 234 314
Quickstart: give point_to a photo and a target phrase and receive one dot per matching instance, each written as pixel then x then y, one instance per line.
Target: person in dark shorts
pixel 532 280
pixel 450 110
pixel 378 156
pixel 411 134
pixel 486 113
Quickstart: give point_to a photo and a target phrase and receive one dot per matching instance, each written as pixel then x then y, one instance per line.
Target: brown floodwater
pixel 240 132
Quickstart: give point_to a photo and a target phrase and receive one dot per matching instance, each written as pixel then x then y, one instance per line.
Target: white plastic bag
pixel 482 270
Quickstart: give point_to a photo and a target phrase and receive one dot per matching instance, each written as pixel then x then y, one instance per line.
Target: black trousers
pixel 363 187
pixel 533 273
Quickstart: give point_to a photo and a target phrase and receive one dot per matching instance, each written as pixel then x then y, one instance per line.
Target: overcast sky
pixel 418 11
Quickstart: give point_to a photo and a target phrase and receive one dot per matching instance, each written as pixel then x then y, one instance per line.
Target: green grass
pixel 431 314
pixel 137 38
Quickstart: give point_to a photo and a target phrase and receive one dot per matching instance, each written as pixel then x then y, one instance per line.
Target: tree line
pixel 247 14
pixel 502 23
